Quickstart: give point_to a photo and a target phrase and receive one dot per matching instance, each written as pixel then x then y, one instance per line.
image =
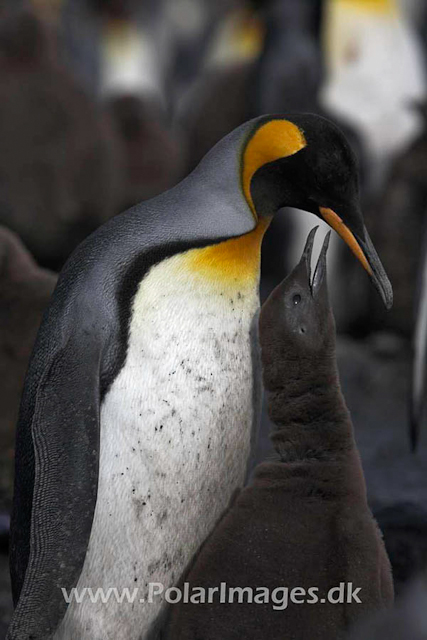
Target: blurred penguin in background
pixel 191 27
pixel 83 25
pixel 374 75
pixel 375 72
pixel 404 528
pixel 133 89
pixel 407 621
pixel 153 155
pixel 25 290
pixel 179 32
pixel 289 69
pixel 254 65
pixel 397 217
pixel 58 173
pixel 125 58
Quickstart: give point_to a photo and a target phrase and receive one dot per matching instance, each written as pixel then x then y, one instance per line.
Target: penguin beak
pixel 319 279
pixel 305 261
pixel 364 251
pixel 318 283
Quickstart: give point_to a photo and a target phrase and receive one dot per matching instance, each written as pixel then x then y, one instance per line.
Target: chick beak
pixel 364 251
pixel 319 279
pixel 305 261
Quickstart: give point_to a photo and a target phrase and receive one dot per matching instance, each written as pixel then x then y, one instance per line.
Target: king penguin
pixel 142 395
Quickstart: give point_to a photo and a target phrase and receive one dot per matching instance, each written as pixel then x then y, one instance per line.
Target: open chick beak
pixel 364 251
pixel 319 279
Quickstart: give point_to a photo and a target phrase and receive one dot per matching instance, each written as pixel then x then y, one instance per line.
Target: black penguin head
pixel 296 322
pixel 317 172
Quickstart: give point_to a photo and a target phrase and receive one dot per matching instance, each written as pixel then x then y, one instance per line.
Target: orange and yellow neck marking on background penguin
pixel 273 140
pixel 380 7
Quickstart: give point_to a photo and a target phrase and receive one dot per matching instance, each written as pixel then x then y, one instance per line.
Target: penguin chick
pixel 25 290
pixel 305 521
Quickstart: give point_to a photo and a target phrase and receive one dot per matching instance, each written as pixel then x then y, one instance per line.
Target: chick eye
pixel 296 299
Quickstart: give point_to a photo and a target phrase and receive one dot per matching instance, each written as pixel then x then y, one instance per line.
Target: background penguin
pixel 152 153
pixel 305 520
pixel 397 220
pixel 252 69
pixel 406 621
pixel 404 529
pixel 25 290
pixel 289 69
pixel 141 401
pixel 59 177
pixel 131 58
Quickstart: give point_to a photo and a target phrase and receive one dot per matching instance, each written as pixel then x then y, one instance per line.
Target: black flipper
pixel 56 487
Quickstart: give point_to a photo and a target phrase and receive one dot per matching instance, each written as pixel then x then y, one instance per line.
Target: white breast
pixel 176 431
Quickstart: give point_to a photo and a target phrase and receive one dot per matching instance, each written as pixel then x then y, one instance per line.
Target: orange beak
pixel 364 251
pixel 335 222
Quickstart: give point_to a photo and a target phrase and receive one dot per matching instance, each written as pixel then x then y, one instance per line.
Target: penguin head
pixel 304 161
pixel 296 324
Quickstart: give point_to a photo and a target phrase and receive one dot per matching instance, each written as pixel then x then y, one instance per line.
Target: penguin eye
pixel 296 299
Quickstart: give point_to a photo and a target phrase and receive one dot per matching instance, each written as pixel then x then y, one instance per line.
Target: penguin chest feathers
pixel 184 395
pixel 176 428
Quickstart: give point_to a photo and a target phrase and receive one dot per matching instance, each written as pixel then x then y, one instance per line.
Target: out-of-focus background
pixel 104 103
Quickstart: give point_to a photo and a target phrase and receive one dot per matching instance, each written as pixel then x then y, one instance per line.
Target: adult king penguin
pixel 140 402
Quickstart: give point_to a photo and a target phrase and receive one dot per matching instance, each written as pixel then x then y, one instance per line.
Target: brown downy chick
pixel 304 523
pixel 58 162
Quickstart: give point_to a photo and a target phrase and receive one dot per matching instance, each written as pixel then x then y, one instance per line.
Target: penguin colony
pixel 305 521
pixel 58 168
pixel 141 402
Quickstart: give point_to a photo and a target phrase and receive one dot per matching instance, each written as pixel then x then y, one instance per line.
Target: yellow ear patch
pixel 273 140
pixel 235 262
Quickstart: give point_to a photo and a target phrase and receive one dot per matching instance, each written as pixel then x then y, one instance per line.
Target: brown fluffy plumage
pixel 151 150
pixel 58 177
pixel 305 521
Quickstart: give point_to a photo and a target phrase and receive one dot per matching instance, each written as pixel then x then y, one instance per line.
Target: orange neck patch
pixel 273 140
pixel 232 262
pixel 236 262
